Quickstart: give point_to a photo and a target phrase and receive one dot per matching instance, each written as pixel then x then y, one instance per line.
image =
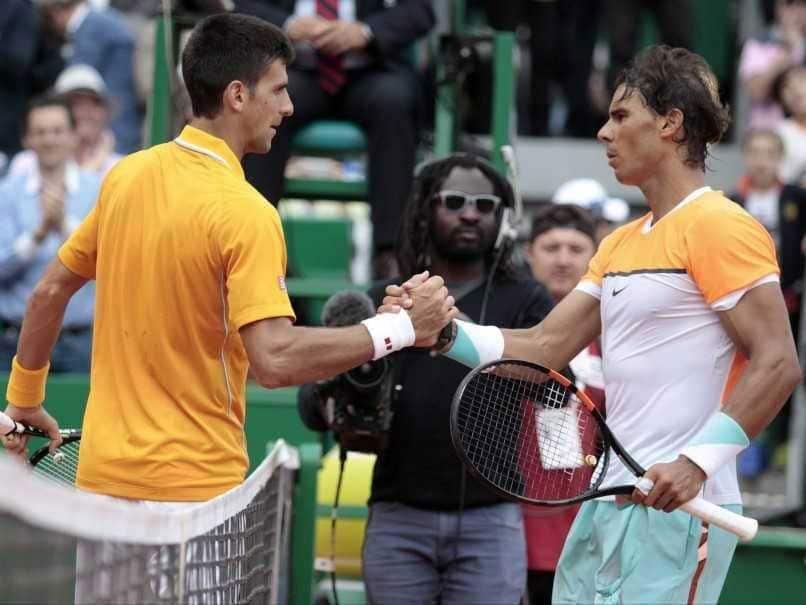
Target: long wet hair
pixel 414 238
pixel 675 78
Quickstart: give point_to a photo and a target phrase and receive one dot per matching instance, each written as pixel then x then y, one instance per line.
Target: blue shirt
pixel 22 261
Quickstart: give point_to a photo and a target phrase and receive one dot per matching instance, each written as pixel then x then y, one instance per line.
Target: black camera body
pixel 358 406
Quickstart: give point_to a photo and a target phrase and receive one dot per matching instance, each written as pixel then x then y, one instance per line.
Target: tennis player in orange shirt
pixel 189 262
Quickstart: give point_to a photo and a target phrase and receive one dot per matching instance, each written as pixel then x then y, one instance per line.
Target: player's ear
pixel 235 95
pixel 671 124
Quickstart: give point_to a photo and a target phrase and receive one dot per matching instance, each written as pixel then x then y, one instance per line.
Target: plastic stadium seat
pixel 329 138
pixel 319 254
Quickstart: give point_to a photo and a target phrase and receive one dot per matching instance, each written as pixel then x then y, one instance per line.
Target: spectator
pixel 562 243
pixel 765 58
pixel 608 212
pixel 28 65
pixel 435 534
pixel 673 18
pixel 352 62
pixel 40 209
pixel 562 36
pixel 102 40
pixel 793 129
pixel 780 207
pixel 86 93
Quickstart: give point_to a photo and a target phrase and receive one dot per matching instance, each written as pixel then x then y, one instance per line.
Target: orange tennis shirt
pixel 184 252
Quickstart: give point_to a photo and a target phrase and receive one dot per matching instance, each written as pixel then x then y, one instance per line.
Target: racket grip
pixel 744 527
pixel 9 426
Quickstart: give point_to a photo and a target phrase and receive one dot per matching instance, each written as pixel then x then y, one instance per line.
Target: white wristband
pixel 475 345
pixel 719 440
pixel 390 332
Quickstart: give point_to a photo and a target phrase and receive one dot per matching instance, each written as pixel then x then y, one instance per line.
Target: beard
pixel 452 246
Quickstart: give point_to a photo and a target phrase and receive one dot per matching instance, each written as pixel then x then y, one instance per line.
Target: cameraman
pixel 434 534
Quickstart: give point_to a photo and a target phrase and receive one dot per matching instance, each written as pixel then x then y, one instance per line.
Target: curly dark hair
pixel 675 78
pixel 414 238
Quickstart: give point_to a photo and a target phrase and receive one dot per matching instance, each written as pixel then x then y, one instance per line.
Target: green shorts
pixel 634 554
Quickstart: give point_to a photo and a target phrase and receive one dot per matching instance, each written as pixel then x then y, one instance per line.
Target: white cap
pixel 589 194
pixel 82 78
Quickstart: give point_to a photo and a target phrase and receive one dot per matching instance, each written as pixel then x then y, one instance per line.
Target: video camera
pixel 356 405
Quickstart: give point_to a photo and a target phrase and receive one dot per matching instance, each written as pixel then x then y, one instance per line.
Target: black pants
pixel 384 102
pixel 563 34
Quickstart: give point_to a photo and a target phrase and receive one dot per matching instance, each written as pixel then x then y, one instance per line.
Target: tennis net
pixel 59 545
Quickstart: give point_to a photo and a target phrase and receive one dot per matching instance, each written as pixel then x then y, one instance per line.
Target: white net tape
pixel 58 544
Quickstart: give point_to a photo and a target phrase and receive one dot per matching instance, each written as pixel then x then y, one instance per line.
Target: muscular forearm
pixel 309 354
pixel 544 346
pixel 554 342
pixel 572 325
pixel 40 328
pixel 764 387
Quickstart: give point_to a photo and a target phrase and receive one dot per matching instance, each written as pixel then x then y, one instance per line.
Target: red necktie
pixel 331 71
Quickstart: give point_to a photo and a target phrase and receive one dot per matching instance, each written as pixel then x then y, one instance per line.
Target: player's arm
pixel 45 313
pixel 553 342
pixel 759 326
pixel 40 329
pixel 571 326
pixel 282 354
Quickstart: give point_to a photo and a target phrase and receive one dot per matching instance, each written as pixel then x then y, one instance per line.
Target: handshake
pixel 413 313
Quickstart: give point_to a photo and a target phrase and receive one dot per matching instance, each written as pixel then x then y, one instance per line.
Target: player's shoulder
pixel 133 165
pixel 716 212
pixel 239 202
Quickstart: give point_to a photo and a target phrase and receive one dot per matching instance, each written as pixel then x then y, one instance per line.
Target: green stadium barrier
pixel 271 415
pixel 319 254
pixel 770 569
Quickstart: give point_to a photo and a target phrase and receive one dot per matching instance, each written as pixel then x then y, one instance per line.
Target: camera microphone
pixel 357 402
pixel 347 308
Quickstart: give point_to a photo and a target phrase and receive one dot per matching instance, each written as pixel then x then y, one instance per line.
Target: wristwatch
pixel 445 339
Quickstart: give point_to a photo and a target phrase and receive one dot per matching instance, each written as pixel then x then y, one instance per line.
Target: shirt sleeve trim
pixel 589 287
pixel 727 302
pixel 68 260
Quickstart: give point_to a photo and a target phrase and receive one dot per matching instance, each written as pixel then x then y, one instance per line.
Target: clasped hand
pixel 427 302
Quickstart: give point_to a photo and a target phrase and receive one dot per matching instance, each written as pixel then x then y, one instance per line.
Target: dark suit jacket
pixel 29 64
pixel 792 226
pixel 396 24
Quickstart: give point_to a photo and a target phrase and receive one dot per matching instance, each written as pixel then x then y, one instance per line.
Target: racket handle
pixel 744 527
pixel 8 426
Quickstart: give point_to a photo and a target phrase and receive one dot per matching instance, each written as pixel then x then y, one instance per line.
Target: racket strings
pixel 60 465
pixel 529 435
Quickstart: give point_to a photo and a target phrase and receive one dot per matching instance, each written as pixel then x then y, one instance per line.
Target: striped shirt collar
pixel 201 142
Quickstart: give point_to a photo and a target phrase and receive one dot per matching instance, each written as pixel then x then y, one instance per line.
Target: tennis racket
pixel 61 464
pixel 528 433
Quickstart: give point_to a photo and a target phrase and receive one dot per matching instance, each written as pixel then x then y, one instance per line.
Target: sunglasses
pixel 455 201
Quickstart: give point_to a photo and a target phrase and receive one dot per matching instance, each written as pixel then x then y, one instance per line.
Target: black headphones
pixel 507 232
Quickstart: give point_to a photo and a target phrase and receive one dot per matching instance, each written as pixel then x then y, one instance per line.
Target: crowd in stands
pixel 75 79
